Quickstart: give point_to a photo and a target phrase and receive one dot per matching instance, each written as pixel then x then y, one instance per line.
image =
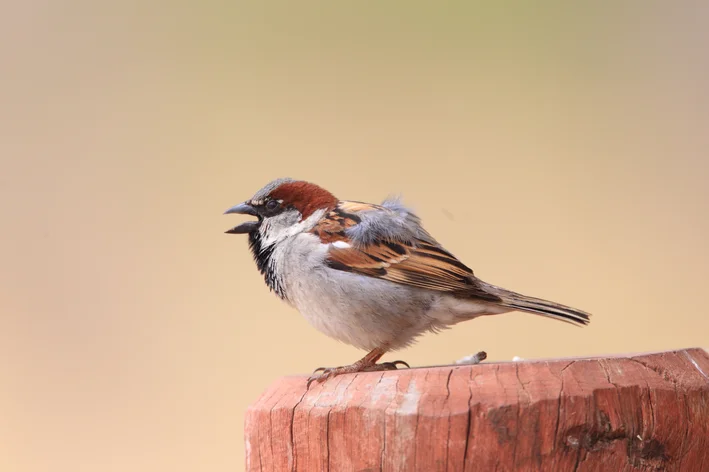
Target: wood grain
pixel 645 412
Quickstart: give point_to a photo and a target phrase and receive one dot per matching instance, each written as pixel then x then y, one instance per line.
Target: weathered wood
pixel 635 413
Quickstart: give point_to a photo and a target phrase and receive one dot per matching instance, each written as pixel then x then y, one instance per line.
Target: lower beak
pixel 248 226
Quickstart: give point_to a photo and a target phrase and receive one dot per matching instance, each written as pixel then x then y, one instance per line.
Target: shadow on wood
pixel 642 412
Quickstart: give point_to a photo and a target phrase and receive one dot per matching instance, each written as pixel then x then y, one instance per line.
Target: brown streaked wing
pixel 332 227
pixel 423 265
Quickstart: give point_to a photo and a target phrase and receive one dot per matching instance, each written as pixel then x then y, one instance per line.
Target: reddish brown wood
pixel 634 413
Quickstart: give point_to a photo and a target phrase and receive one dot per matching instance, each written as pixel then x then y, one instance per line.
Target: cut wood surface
pixel 647 412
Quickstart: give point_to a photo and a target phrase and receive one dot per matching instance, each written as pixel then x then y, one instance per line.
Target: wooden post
pixel 633 413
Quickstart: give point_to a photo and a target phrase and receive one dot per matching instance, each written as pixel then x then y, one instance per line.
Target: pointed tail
pixel 538 306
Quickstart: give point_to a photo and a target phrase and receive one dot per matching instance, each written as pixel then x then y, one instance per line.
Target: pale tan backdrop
pixel 560 152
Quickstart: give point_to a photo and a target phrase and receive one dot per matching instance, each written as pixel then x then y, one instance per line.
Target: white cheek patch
pixel 341 245
pixel 276 229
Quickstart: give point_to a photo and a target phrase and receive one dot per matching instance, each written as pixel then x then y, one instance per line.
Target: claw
pixel 312 379
pixel 320 378
pixel 328 373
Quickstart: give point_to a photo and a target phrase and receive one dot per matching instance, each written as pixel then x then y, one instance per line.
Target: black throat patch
pixel 264 262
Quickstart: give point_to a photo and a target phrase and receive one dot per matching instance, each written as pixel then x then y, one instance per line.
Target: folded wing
pixel 387 242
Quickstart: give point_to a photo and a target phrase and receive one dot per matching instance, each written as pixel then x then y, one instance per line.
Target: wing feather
pixel 409 257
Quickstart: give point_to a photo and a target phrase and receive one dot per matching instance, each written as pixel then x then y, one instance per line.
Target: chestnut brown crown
pixel 304 197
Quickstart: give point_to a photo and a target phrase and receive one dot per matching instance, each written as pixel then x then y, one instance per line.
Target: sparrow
pixel 368 275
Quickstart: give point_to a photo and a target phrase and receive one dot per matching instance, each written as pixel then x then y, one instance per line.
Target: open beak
pixel 248 226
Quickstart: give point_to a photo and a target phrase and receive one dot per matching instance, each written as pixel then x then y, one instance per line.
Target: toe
pixel 325 373
pixel 385 366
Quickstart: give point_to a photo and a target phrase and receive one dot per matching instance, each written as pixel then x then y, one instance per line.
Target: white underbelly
pixel 367 312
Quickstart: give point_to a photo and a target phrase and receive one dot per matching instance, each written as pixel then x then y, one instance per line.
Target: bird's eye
pixel 272 205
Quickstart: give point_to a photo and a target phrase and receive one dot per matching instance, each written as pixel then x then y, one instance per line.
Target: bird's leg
pixel 366 364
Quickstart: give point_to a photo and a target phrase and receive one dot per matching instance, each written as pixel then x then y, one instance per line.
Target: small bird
pixel 368 275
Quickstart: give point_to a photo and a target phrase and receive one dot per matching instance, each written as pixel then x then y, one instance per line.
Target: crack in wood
pixel 412 382
pixel 519 410
pixel 384 429
pixel 292 453
pixel 448 395
pixel 470 420
pixel 555 441
pixel 606 372
pixel 310 411
pixel 696 366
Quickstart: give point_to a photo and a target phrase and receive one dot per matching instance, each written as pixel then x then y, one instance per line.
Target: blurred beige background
pixel 559 151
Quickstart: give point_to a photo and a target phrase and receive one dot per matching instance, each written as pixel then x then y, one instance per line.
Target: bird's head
pixel 283 208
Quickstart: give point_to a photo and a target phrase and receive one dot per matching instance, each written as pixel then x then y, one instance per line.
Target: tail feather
pixel 539 306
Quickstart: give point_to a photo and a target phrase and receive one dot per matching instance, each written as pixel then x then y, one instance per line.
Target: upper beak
pixel 248 226
pixel 243 209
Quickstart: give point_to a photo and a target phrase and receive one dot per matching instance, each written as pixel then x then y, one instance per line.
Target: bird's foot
pixel 330 372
